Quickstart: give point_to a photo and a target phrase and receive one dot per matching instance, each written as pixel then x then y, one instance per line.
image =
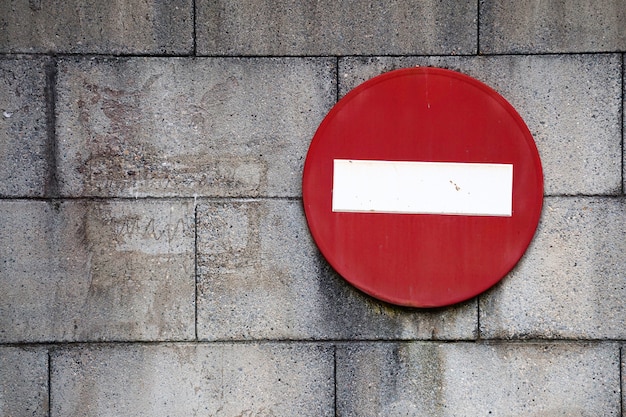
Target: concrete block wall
pixel 155 258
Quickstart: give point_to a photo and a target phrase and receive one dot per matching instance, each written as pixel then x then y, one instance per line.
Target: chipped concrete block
pixel 25 151
pixel 466 379
pixel 557 26
pixel 100 270
pixel 260 380
pixel 111 27
pixel 327 27
pixel 570 283
pixel 261 277
pixel 23 382
pixel 570 103
pixel 179 127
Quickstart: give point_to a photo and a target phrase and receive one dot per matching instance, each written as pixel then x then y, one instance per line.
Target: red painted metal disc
pixel 423 115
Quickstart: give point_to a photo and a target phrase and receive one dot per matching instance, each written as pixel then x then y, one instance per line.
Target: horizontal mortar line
pixel 269 56
pixel 249 198
pixel 238 198
pixel 95 55
pixel 55 345
pixel 605 196
pixel 257 56
pixel 95 199
pixel 332 55
pixel 441 341
pixel 550 53
pixel 147 55
pixel 230 56
pixel 414 55
pixel 483 55
pixel 152 198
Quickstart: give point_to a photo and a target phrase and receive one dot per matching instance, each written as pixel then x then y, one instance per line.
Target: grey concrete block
pixel 183 127
pixel 328 27
pixel 23 133
pixel 527 26
pixel 464 379
pixel 111 27
pixel 194 380
pixel 571 104
pixel 23 382
pixel 570 283
pixel 81 271
pixel 261 277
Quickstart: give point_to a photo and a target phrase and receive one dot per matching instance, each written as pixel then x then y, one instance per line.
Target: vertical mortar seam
pixel 622 121
pixel 194 30
pixel 52 185
pixel 478 333
pixel 336 79
pixel 195 270
pixel 477 27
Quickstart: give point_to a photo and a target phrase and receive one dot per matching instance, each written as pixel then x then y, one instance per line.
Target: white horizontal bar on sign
pixel 472 189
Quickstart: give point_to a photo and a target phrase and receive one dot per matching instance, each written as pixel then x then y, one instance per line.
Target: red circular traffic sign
pixel 422 187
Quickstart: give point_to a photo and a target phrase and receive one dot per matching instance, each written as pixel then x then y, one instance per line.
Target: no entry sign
pixel 422 187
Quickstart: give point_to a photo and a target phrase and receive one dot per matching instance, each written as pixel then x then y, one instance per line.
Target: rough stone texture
pixel 530 26
pixel 160 127
pixel 194 380
pixel 570 283
pixel 23 382
pixel 571 104
pixel 23 136
pixel 114 27
pixel 261 277
pixel 464 379
pixel 328 27
pixel 80 271
pixel 119 296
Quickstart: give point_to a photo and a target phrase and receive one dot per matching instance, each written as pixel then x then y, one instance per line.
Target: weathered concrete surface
pixel 24 147
pixel 465 379
pixel 328 27
pixel 570 283
pixel 23 382
pixel 81 271
pixel 571 104
pixel 194 380
pixel 162 127
pixel 106 283
pixel 113 27
pixel 529 26
pixel 261 277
